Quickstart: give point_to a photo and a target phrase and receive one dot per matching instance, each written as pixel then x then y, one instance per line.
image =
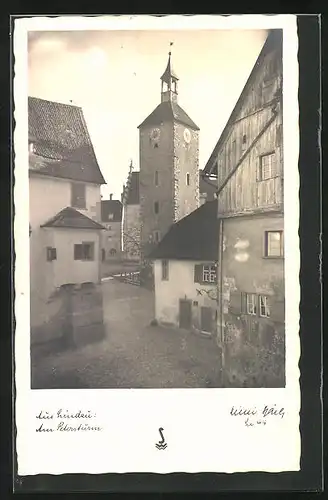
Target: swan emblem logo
pixel 161 445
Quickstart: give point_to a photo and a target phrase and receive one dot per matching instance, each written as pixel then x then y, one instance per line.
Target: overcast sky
pixel 115 77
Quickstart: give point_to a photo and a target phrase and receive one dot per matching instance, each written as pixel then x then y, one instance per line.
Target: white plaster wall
pixel 68 270
pixel 47 197
pixel 179 286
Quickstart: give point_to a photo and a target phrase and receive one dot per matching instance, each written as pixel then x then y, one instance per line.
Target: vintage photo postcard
pixel 156 239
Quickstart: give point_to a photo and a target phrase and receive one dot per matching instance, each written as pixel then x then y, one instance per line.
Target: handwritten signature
pixel 255 416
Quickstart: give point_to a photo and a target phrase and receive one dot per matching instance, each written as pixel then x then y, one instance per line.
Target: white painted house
pixel 64 201
pixel 185 272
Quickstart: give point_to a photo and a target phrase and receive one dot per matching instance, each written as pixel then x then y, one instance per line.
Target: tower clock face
pixel 155 133
pixel 187 135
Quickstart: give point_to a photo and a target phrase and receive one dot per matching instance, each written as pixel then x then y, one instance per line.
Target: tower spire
pixel 169 80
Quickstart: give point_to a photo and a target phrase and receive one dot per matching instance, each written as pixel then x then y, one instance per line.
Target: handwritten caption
pixel 254 416
pixel 67 421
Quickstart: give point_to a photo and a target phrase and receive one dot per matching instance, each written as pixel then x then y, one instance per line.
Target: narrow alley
pixel 133 354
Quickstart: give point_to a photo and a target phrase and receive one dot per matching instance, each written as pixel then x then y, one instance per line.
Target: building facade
pixel 111 219
pixel 185 270
pixel 169 165
pixel 247 164
pixel 64 202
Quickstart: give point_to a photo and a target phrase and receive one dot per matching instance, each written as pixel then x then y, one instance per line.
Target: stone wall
pixel 73 316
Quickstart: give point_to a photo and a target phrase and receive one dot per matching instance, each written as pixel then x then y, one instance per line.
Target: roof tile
pixel 60 137
pixel 71 218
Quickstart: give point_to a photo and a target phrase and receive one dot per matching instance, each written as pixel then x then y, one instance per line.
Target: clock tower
pixel 169 165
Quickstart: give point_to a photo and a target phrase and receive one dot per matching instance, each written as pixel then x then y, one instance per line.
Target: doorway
pixel 185 314
pixel 206 319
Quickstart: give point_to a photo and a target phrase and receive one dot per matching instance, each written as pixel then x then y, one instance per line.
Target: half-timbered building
pixel 247 165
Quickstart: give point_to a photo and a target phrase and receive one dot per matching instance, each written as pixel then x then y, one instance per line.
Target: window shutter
pixel 277 310
pixel 77 252
pixel 235 305
pixel 198 273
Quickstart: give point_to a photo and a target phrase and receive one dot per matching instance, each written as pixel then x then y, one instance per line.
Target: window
pixel 188 179
pixel 205 273
pixel 109 228
pixel 110 216
pixel 264 306
pixel 244 141
pixel 78 195
pixel 251 304
pixel 165 270
pixel 267 167
pixel 157 236
pixel 209 274
pixel 273 244
pixel 84 251
pixel 156 178
pixel 233 154
pixel 155 144
pixel 156 207
pixel 51 254
pixel 112 252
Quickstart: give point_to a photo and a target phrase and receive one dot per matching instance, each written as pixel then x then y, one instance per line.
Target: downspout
pixel 220 334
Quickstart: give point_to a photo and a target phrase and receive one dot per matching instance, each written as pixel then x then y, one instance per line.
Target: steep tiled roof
pixel 194 237
pixel 166 112
pixel 71 218
pixel 113 207
pixel 61 143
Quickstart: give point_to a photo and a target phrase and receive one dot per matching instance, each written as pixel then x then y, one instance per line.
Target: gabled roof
pixel 71 218
pixel 273 42
pixel 109 207
pixel 194 237
pixel 168 111
pixel 61 142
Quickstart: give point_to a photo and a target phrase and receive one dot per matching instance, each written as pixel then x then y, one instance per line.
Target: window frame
pixel 266 253
pixel 209 272
pixel 265 305
pixel 254 304
pixel 158 239
pixel 82 245
pixel 51 254
pixel 273 167
pixel 156 180
pixel 74 204
pixel 165 270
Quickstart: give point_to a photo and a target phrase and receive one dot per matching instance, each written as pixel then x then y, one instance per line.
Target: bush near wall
pixel 258 361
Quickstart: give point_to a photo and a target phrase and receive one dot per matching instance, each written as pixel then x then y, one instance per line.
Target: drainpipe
pixel 220 333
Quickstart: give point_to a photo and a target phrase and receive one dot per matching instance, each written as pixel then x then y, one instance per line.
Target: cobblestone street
pixel 133 353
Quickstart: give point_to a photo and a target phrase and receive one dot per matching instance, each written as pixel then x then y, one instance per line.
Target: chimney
pixel 111 196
